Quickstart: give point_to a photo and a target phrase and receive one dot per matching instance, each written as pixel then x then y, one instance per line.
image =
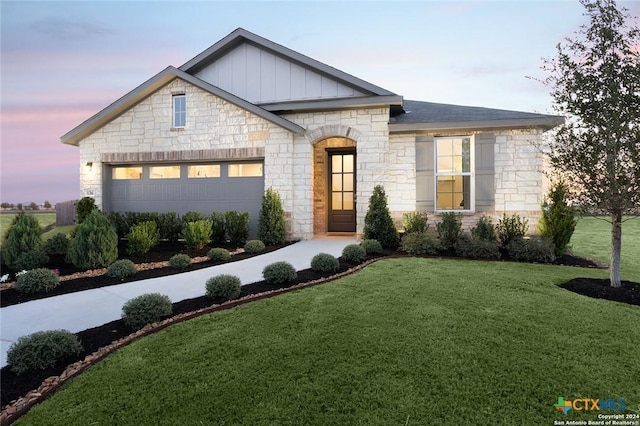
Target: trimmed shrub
pixel 484 230
pixel 219 254
pixel 254 247
pixel 146 309
pixel 449 229
pixel 474 247
pixel 324 262
pixel 121 268
pixel 353 253
pixel 170 226
pixel 23 236
pixel 37 280
pixel 95 244
pixel 84 207
pixel 237 227
pixel 226 286
pixel 558 219
pixel 30 260
pixel 58 245
pixel 197 234
pixel 371 246
pixel 378 224
pixel 180 261
pixel 192 217
pixel 510 228
pixel 415 222
pixel 142 237
pixel 218 233
pixel 418 244
pixel 533 249
pixel 41 350
pixel 279 272
pixel 119 222
pixel 272 228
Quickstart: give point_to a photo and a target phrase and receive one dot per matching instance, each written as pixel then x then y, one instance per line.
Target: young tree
pixel 595 83
pixel 47 204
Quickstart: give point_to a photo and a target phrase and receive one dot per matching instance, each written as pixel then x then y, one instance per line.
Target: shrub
pixel 371 246
pixel 378 224
pixel 279 272
pixel 84 207
pixel 95 244
pixel 217 227
pixel 142 237
pixel 121 268
pixel 418 244
pixel 415 222
pixel 41 350
pixel 510 228
pixel 254 247
pixel 170 226
pixel 534 249
pixel 37 280
pixel 197 234
pixel 23 236
pixel 484 230
pixel 474 247
pixel 272 228
pixel 237 226
pixel 58 245
pixel 449 230
pixel 30 260
pixel 119 222
pixel 558 219
pixel 353 253
pixel 324 262
pixel 146 309
pixel 226 286
pixel 180 261
pixel 192 217
pixel 219 254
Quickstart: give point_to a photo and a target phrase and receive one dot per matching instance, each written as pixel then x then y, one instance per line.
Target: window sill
pixel 177 129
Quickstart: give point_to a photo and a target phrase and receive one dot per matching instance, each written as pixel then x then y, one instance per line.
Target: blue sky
pixel 62 62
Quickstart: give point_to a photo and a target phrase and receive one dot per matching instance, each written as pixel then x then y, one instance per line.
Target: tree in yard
pixel 5 205
pixel 19 206
pixel 378 224
pixel 33 206
pixel 47 204
pixel 595 83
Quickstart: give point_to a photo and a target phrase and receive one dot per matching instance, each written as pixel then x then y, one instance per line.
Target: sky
pixel 62 62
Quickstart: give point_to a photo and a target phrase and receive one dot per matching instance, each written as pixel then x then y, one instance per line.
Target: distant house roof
pixel 418 115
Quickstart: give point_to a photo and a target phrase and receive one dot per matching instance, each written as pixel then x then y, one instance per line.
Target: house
pixel 248 114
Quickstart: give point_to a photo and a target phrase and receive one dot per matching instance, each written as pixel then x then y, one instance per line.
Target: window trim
pixel 471 173
pixel 174 110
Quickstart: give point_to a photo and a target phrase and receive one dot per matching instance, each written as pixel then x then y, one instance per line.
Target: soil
pixel 15 386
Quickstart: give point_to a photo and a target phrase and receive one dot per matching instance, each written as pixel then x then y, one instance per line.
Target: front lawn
pixel 404 341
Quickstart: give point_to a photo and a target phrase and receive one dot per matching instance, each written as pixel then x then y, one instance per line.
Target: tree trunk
pixel 616 246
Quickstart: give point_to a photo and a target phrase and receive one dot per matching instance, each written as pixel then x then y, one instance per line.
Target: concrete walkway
pixel 82 310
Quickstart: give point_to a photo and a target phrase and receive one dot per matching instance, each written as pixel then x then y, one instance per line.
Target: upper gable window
pixel 454 173
pixel 179 111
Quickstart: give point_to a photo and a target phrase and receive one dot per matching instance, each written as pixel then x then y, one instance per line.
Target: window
pixel 454 173
pixel 203 171
pixel 179 110
pixel 122 173
pixel 245 170
pixel 164 172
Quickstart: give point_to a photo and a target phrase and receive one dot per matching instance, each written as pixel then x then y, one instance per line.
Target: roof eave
pixel 332 104
pixel 545 123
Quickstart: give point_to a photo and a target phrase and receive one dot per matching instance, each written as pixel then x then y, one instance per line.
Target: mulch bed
pixel 629 292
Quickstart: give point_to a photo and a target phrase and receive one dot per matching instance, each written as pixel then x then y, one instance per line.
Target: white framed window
pixel 203 171
pixel 454 173
pixel 126 173
pixel 179 111
pixel 245 170
pixel 164 172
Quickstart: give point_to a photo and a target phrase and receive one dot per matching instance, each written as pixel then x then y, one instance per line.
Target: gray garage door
pixel 202 187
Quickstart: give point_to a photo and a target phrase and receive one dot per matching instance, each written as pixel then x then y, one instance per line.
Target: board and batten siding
pixel 260 76
pixel 484 173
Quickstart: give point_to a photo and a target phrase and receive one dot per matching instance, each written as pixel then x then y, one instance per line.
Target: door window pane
pixel 245 170
pixel 164 172
pixel 336 201
pixel 348 163
pixel 347 200
pixel 348 182
pixel 121 173
pixel 336 182
pixel 204 171
pixel 336 163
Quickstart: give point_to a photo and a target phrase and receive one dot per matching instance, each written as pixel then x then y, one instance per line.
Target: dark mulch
pixel 629 292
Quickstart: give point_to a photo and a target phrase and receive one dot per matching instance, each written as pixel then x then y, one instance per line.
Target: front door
pixel 342 190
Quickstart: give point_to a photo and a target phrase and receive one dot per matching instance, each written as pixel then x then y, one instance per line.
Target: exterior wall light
pixel 89 165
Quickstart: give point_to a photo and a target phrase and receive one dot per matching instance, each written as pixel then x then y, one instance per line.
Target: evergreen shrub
pixel 84 207
pixel 142 237
pixel 237 227
pixel 511 228
pixel 378 224
pixel 449 229
pixel 558 219
pixel 325 262
pixel 23 236
pixel 279 273
pixel 121 268
pixel 272 228
pixel 218 233
pixel 254 247
pixel 219 254
pixel 146 309
pixel 180 261
pixel 226 286
pixel 415 222
pixel 475 247
pixel 41 350
pixel 371 246
pixel 534 249
pixel 95 244
pixel 420 243
pixel 58 245
pixel 37 280
pixel 354 253
pixel 197 234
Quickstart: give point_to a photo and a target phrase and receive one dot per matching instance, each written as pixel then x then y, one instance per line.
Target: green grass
pixel 404 341
pixel 65 229
pixel 44 219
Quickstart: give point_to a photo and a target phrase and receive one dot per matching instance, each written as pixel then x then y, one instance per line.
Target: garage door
pixel 180 188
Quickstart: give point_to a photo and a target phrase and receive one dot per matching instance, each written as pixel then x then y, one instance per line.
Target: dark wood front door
pixel 342 191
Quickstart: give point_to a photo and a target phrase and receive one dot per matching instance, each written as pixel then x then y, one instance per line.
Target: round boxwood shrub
pixel 371 246
pixel 41 350
pixel 324 262
pixel 354 253
pixel 227 286
pixel 30 260
pixel 180 261
pixel 254 247
pixel 58 245
pixel 219 254
pixel 37 280
pixel 146 309
pixel 279 273
pixel 418 244
pixel 121 268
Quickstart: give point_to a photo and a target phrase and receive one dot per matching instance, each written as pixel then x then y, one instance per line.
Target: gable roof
pixel 149 87
pixel 418 115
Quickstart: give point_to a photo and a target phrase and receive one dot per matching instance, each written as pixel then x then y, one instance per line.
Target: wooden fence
pixel 66 213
